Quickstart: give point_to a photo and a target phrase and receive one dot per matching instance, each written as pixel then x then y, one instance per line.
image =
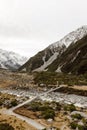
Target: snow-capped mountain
pixel 45 59
pixel 74 36
pixel 73 60
pixel 11 60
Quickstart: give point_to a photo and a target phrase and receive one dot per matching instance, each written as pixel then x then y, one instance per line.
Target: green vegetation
pixel 51 78
pixel 73 59
pixel 1 103
pixel 45 78
pixel 70 108
pixel 75 125
pixel 85 122
pixel 77 116
pixel 48 113
pixel 5 126
pixel 8 100
pixel 47 110
pixel 14 103
pixel 36 61
pixel 35 106
pixel 70 90
pixel 80 127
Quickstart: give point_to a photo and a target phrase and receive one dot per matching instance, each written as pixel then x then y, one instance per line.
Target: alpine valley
pixel 49 91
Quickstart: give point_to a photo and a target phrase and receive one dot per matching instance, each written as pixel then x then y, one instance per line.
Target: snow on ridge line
pixel 67 40
pixel 72 37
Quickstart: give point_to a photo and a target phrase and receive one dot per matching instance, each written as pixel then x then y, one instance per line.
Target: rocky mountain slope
pixel 11 60
pixel 44 58
pixel 51 58
pixel 73 60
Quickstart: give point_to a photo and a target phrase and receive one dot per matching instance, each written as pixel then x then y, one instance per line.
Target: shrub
pixel 58 106
pixel 65 113
pixel 73 125
pixel 80 127
pixel 6 126
pixel 1 103
pixel 70 108
pixel 49 113
pixel 35 106
pixel 14 103
pixel 77 116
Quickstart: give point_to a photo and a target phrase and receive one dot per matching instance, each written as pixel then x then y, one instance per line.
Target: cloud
pixel 28 26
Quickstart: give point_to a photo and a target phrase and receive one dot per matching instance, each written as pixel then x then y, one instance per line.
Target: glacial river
pixel 80 101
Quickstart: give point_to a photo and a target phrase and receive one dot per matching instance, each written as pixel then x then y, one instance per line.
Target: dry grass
pixel 7 83
pixel 82 87
pixel 59 121
pixel 11 79
pixel 24 112
pixel 16 123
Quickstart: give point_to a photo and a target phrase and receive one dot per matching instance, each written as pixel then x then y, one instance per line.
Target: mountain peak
pixel 11 60
pixel 74 36
pixel 83 27
pixel 71 37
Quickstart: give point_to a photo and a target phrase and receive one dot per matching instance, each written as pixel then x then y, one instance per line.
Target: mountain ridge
pixel 73 59
pixel 11 60
pixel 44 59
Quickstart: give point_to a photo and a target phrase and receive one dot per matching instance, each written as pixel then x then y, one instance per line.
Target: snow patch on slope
pixel 75 56
pixel 47 63
pixel 59 69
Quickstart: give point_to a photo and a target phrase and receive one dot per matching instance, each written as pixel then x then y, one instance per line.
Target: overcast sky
pixel 28 26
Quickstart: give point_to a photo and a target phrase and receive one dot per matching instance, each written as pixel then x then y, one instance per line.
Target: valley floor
pixel 14 121
pixel 17 88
